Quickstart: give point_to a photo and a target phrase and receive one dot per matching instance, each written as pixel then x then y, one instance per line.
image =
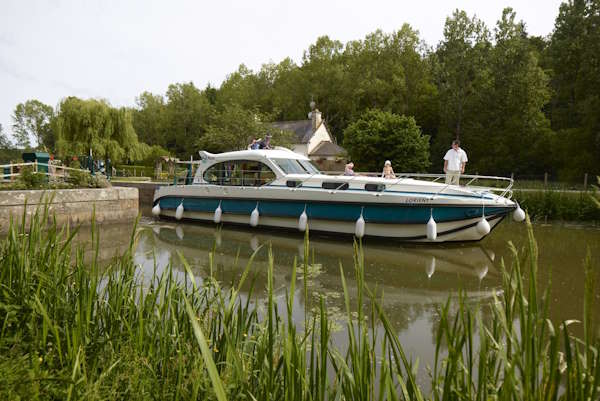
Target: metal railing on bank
pixel 9 172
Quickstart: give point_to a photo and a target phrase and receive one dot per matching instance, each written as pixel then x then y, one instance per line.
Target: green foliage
pixel 33 119
pixel 175 123
pixel 558 205
pixel 233 129
pixel 31 180
pixel 4 141
pixel 575 80
pixel 74 330
pixel 85 126
pixel 378 136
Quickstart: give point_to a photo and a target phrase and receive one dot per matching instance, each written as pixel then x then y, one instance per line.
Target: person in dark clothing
pixel 265 143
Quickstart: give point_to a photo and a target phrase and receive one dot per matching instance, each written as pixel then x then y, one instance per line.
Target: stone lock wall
pixel 72 206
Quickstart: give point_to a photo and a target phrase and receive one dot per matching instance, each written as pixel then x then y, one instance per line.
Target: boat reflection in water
pixel 410 277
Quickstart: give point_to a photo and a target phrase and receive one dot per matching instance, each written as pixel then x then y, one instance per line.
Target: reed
pixel 72 330
pixel 559 205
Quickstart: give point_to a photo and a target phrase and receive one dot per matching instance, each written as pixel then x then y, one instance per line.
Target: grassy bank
pixel 559 205
pixel 73 330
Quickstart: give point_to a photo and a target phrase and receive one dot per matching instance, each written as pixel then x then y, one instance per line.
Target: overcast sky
pixel 117 49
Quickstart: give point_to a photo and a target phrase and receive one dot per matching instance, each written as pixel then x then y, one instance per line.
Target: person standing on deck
pixel 454 163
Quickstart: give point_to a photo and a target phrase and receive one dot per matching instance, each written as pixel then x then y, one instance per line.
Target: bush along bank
pixel 28 179
pixel 71 330
pixel 559 205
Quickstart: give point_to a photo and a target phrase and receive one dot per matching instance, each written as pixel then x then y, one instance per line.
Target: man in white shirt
pixel 454 163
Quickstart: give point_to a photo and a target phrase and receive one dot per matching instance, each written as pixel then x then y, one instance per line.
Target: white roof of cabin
pixel 281 153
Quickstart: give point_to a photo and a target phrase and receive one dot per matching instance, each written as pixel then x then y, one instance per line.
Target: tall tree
pixel 149 119
pixel 187 115
pixel 33 119
pixel 234 127
pixel 4 141
pixel 380 135
pixel 573 61
pixel 462 65
pixel 93 126
pixel 511 133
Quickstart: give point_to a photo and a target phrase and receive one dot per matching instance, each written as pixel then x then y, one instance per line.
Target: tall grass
pixel 70 330
pixel 558 205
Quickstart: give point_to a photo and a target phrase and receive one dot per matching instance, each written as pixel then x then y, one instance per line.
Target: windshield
pixel 290 166
pixel 309 166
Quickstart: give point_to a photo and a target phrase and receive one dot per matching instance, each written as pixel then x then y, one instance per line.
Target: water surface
pixel 415 280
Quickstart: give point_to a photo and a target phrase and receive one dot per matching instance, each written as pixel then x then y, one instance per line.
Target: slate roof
pixel 327 148
pixel 302 129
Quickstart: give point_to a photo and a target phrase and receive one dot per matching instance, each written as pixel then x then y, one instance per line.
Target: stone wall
pixel 73 206
pixel 146 190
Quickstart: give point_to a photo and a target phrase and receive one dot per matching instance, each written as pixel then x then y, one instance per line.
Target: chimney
pixel 315 116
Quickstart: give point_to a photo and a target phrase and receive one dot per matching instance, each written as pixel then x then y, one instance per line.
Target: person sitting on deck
pixel 388 171
pixel 349 170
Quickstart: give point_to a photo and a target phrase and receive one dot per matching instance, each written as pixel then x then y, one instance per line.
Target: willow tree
pixel 94 127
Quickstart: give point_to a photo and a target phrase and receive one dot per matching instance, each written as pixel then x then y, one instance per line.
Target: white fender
pixel 254 217
pixel 518 214
pixel 179 211
pixel 482 271
pixel 430 269
pixel 218 213
pixel 156 209
pixel 483 227
pixel 179 232
pixel 431 229
pixel 254 244
pixel 359 228
pixel 302 220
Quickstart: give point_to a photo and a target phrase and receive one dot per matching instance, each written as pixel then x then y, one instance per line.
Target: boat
pixel 278 188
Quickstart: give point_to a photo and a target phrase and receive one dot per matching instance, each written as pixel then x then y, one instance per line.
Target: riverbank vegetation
pixel 72 330
pixel 559 205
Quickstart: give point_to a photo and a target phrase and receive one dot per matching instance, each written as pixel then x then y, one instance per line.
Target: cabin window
pixel 375 187
pixel 335 185
pixel 293 184
pixel 239 173
pixel 290 166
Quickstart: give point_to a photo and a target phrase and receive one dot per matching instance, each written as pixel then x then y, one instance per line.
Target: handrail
pixel 504 189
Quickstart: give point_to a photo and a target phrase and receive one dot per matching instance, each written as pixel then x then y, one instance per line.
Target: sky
pixel 116 50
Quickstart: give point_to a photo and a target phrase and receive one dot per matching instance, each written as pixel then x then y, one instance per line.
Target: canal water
pixel 416 280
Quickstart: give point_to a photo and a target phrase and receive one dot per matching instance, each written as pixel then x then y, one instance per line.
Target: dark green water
pixel 415 279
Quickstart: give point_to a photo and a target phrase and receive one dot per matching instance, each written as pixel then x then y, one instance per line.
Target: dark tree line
pixel 518 103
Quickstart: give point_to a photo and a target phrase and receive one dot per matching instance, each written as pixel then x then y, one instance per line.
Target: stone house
pixel 312 138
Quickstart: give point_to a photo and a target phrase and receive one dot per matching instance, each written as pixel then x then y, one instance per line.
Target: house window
pixel 239 173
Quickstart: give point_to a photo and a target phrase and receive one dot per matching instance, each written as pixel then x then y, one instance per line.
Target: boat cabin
pixel 251 167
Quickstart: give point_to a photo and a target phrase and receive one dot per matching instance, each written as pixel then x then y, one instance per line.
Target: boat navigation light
pixel 156 209
pixel 302 220
pixel 431 228
pixel 254 216
pixel 359 228
pixel 179 211
pixel 218 213
pixel 518 214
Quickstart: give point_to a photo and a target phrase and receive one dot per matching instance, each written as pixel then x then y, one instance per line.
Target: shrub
pixel 30 179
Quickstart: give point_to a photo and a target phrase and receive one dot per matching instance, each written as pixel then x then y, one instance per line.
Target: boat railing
pixel 475 182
